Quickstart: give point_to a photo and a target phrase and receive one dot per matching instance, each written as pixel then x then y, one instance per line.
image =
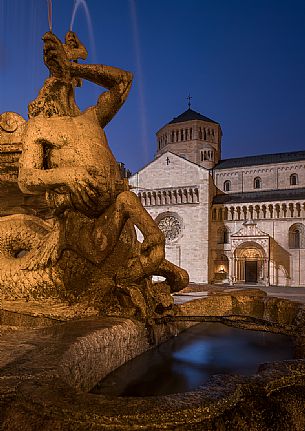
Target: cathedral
pixel 232 221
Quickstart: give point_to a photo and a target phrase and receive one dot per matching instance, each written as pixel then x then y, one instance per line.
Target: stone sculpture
pixel 87 252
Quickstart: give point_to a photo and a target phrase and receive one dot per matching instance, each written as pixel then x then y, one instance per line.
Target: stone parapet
pixel 46 373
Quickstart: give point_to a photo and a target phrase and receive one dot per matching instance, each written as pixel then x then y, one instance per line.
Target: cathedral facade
pixel 233 221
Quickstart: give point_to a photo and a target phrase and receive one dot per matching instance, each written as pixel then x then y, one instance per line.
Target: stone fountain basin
pixel 48 365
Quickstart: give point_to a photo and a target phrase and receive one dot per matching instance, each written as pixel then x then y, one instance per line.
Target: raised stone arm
pixel 75 50
pixel 117 81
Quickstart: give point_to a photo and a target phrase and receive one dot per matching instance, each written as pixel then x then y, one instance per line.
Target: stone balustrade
pixel 259 211
pixel 169 196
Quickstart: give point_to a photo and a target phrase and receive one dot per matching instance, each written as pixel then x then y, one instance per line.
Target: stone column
pixel 266 272
pixel 231 269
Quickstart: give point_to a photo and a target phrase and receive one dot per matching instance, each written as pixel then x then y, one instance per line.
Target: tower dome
pixel 193 136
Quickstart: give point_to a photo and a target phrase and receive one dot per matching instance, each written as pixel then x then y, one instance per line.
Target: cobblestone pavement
pixel 195 291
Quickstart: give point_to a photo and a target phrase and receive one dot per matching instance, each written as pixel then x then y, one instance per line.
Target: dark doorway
pixel 251 271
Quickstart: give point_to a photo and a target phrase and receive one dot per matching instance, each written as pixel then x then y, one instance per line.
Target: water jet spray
pixel 50 14
pixel 77 4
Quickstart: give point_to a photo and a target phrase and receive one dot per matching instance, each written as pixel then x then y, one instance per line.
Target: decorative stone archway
pixel 250 264
pixel 250 249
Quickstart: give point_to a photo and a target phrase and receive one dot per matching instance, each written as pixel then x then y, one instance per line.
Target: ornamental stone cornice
pixel 250 233
pixel 249 229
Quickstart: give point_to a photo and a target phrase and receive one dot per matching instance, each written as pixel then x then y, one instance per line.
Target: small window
pixel 296 236
pixel 227 186
pixel 257 183
pixel 293 179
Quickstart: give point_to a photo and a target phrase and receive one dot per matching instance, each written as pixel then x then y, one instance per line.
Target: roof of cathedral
pixel 262 159
pixel 260 196
pixel 190 115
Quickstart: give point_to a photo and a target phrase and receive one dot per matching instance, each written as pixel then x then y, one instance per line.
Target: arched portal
pixel 250 264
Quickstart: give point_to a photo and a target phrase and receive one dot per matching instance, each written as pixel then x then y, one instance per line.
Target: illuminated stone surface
pixel 85 250
pixel 46 372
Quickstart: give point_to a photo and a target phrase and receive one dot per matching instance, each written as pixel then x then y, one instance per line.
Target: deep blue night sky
pixel 243 61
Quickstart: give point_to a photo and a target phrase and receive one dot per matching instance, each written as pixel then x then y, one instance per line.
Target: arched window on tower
pixel 297 236
pixel 257 183
pixel 293 179
pixel 227 186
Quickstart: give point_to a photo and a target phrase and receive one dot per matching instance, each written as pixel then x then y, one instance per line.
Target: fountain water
pixel 50 14
pixel 77 5
pixel 186 362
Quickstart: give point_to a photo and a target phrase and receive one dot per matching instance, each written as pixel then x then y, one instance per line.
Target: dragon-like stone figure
pixel 87 251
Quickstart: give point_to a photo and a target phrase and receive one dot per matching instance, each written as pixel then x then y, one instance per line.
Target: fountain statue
pixel 87 252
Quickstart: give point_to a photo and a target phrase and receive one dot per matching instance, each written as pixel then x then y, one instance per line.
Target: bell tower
pixel 192 136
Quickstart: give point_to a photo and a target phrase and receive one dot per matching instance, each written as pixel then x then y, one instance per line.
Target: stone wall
pixel 273 177
pixel 286 266
pixel 161 188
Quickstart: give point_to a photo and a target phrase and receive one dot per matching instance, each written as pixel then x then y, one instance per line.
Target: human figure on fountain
pixel 66 154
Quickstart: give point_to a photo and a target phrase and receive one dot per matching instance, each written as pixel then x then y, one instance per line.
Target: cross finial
pixel 189 97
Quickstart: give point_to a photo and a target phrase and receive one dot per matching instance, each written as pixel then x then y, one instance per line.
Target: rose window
pixel 171 227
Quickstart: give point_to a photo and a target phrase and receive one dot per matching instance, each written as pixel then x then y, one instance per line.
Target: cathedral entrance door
pixel 251 271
